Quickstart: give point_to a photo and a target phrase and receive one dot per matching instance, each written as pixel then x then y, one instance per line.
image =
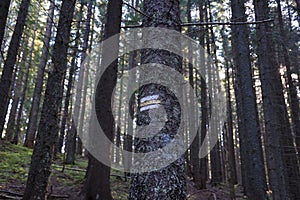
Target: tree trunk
pixel 273 104
pixel 168 182
pixel 5 83
pixel 203 94
pixel 40 167
pixel 195 146
pixel 33 117
pixel 66 114
pixel 229 130
pixel 252 155
pixel 78 97
pixel 4 8
pixel 97 184
pixel 25 83
pixel 16 92
pixel 287 144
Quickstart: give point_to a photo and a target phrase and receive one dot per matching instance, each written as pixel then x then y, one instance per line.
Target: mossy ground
pixel 14 166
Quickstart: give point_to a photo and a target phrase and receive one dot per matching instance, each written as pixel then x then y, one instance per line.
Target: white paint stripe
pixel 149 107
pixel 147 98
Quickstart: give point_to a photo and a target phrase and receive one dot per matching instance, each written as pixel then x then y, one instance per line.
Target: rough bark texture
pixel 168 182
pixel 97 184
pixel 33 117
pixel 40 167
pixel 4 8
pixel 273 104
pixel 5 83
pixel 250 136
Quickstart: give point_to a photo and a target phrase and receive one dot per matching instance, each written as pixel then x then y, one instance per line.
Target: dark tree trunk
pixel 168 182
pixel 33 117
pixel 288 151
pixel 250 136
pixel 97 184
pixel 72 139
pixel 11 124
pixel 17 92
pixel 195 146
pixel 229 128
pixel 273 104
pixel 204 113
pixel 40 167
pixel 5 83
pixel 25 83
pixel 4 8
pixel 66 114
pixel 71 144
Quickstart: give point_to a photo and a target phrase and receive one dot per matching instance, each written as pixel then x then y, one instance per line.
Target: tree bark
pixel 5 83
pixel 40 168
pixel 4 8
pixel 273 104
pixel 168 182
pixel 33 117
pixel 287 144
pixel 251 153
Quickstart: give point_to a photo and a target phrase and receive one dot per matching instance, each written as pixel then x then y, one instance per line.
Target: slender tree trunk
pixel 252 155
pixel 4 8
pixel 33 117
pixel 168 182
pixel 40 167
pixel 195 146
pixel 204 111
pixel 229 130
pixel 5 83
pixel 72 152
pixel 16 91
pixel 66 114
pixel 25 83
pixel 128 141
pixel 97 184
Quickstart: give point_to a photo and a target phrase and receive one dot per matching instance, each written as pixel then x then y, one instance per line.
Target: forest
pixel 150 99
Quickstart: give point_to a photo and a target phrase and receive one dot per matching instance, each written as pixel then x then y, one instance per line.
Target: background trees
pixel 47 84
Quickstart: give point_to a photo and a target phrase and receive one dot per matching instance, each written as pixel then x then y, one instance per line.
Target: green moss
pixel 14 162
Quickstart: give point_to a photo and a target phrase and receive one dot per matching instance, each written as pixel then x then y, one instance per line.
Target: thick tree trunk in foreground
pixel 168 182
pixel 5 83
pixel 33 117
pixel 250 136
pixel 40 167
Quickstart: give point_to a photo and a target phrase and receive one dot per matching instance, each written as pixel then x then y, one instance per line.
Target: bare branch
pixel 130 6
pixel 212 23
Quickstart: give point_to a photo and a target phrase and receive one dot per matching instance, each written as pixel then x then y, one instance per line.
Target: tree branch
pixel 130 6
pixel 211 23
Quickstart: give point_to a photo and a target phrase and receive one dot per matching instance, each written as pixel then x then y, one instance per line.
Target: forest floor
pixel 66 183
